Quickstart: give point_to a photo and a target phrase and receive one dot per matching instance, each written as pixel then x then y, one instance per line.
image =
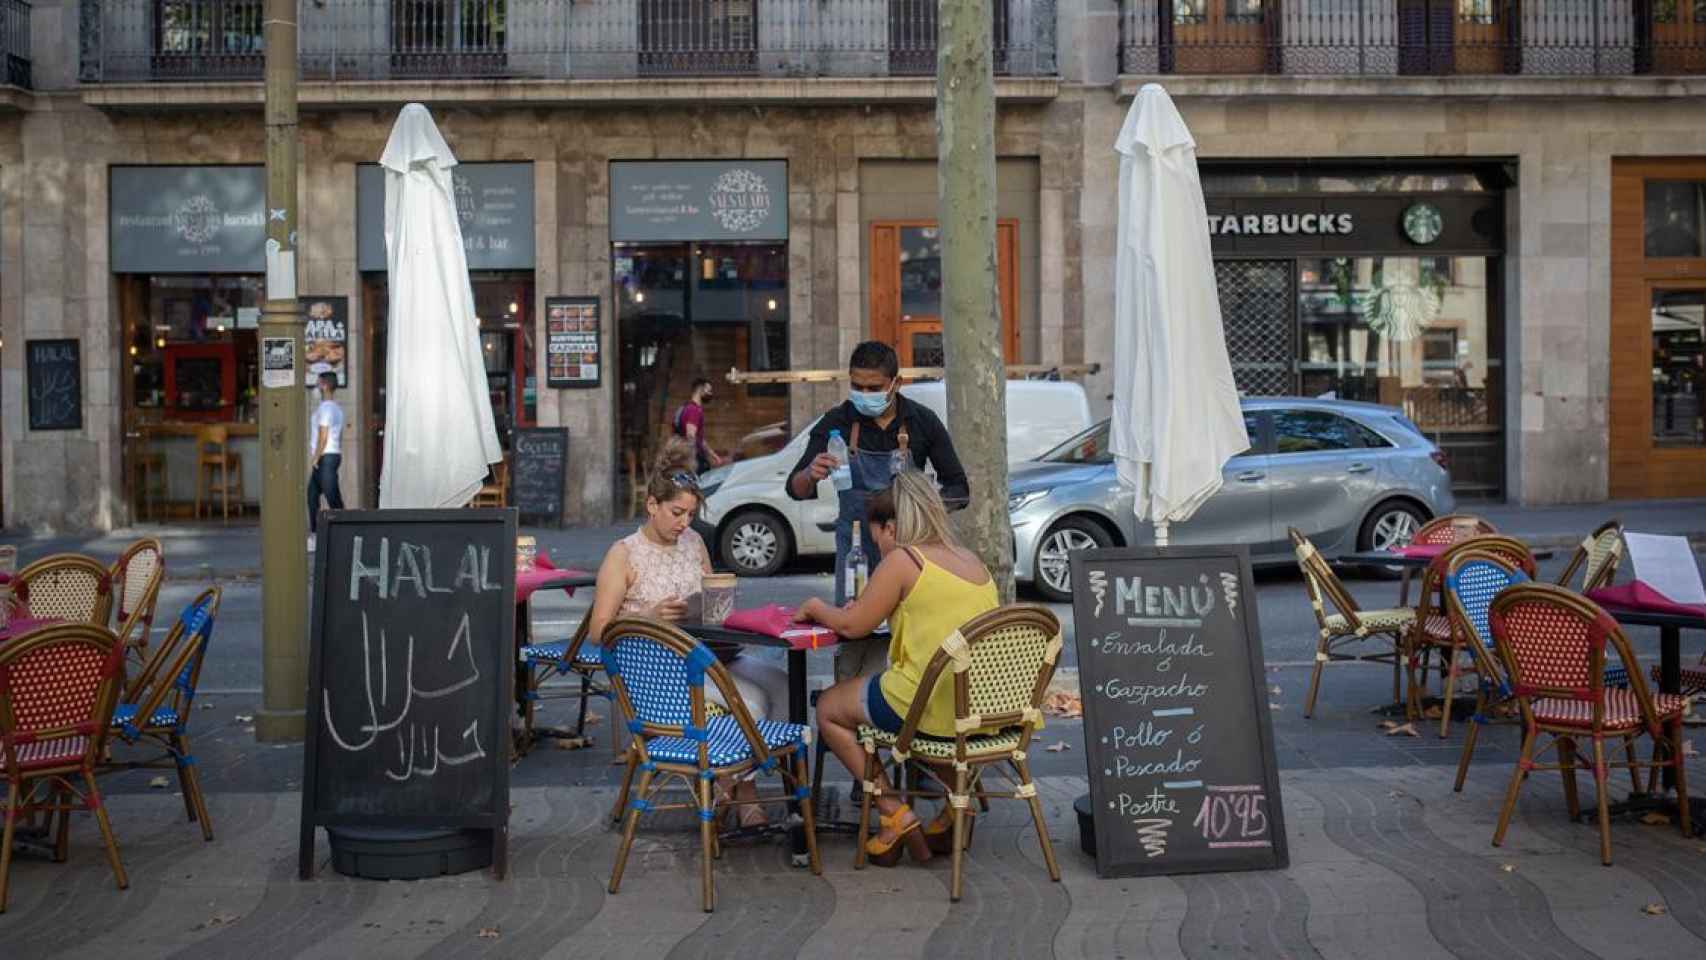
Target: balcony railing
pixel 15 41
pixel 126 41
pixel 1414 37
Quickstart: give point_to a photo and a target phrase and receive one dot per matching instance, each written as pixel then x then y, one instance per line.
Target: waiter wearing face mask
pixel 884 431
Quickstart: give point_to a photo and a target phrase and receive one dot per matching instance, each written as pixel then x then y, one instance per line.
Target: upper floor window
pixel 1675 211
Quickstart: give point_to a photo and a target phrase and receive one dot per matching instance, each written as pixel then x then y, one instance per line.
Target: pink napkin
pixel 1639 596
pixel 775 620
pixel 540 577
pixel 18 626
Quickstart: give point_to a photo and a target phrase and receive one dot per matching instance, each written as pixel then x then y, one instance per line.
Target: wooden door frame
pixel 1636 467
pixel 883 274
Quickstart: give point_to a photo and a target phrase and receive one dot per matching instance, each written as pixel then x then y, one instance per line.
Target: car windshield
pixel 1091 446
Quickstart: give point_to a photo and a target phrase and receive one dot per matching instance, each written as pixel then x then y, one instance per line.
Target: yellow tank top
pixel 939 604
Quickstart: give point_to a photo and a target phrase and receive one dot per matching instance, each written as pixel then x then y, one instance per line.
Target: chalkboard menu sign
pixel 572 344
pixel 55 380
pixel 411 673
pixel 1176 726
pixel 538 474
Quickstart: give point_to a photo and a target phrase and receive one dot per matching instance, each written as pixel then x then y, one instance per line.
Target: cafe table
pixel 1409 561
pixel 1670 626
pixel 798 699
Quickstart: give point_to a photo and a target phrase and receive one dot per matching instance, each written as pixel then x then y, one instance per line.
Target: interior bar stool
pixel 218 471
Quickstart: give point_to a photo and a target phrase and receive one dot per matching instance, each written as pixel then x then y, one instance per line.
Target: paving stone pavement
pixel 1386 861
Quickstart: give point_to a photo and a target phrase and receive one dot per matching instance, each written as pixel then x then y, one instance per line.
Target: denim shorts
pixel 877 709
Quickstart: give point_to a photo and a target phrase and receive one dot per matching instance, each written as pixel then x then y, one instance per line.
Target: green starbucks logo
pixel 1422 223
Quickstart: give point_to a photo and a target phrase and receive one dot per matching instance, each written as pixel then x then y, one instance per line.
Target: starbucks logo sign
pixel 740 200
pixel 197 219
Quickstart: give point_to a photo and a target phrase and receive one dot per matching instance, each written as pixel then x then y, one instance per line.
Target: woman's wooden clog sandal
pixel 939 833
pixel 908 835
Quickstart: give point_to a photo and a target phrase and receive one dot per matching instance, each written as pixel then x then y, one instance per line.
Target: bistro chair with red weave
pixel 164 693
pixel 1350 624
pixel 57 690
pixel 658 676
pixel 1555 645
pixel 136 577
pixel 1447 530
pixel 65 586
pixel 1435 632
pixel 1000 664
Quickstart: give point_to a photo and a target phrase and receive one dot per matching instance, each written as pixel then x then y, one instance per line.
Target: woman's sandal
pixel 909 835
pixel 939 833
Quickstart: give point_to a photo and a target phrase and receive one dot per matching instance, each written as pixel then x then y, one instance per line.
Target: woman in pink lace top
pixel 655 573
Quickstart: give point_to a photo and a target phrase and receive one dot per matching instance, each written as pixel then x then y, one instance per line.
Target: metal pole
pixel 284 566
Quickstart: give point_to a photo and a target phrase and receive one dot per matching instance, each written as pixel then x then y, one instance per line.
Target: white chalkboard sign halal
pixel 1178 739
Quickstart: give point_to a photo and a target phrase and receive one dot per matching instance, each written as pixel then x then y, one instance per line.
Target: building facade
pixel 1499 231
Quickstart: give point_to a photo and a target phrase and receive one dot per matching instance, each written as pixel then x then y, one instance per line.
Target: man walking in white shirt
pixel 327 428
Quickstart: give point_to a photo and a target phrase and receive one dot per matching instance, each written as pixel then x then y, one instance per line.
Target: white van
pixel 752 524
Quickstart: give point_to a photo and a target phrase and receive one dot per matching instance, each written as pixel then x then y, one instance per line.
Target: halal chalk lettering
pixel 1179 742
pixel 410 670
pixel 54 375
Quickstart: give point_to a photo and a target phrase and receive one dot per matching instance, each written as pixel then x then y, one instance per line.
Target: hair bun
pixel 676 456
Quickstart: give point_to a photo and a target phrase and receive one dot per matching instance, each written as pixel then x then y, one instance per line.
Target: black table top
pixel 721 634
pixel 1653 618
pixel 1382 558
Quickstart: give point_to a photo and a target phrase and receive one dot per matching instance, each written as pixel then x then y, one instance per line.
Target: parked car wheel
pixel 1054 563
pixel 755 543
pixel 1392 524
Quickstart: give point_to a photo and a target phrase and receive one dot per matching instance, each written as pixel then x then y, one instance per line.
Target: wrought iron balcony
pixel 15 41
pixel 127 41
pixel 1414 37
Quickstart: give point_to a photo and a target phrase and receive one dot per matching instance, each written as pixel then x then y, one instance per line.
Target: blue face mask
pixel 870 403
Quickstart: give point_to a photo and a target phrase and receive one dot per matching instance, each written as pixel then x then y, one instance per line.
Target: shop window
pixel 906 288
pixel 1675 211
pixel 691 310
pixel 1679 319
pixel 192 349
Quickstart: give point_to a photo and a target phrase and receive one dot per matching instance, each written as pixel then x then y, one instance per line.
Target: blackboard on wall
pixel 1176 728
pixel 411 673
pixel 538 472
pixel 54 376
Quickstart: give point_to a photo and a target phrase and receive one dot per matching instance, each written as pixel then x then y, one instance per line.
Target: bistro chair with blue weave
pixel 658 676
pixel 1555 645
pixel 541 662
pixel 1434 631
pixel 1000 664
pixel 58 685
pixel 164 693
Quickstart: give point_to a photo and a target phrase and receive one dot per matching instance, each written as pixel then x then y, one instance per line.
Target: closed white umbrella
pixel 1176 418
pixel 439 435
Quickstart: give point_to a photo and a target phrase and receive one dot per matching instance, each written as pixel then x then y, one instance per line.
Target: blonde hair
pixel 920 518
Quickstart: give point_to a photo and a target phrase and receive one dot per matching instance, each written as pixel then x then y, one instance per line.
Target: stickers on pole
pixel 278 362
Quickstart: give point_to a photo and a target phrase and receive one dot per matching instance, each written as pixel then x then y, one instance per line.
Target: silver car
pixel 1352 476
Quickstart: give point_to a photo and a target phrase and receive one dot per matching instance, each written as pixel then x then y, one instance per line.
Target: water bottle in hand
pixel 842 475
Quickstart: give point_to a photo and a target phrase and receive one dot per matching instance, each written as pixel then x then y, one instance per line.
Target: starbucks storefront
pixel 1370 283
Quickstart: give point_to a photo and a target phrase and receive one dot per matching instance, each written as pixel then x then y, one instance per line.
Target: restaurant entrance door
pixel 906 288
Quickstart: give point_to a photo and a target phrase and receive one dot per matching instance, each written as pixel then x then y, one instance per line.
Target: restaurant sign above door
pixel 698 200
pixel 187 219
pixel 494 202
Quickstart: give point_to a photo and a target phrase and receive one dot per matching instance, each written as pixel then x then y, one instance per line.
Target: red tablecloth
pixel 1421 551
pixel 775 620
pixel 545 575
pixel 1639 596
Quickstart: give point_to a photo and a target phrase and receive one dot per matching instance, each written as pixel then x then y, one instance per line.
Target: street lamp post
pixel 284 567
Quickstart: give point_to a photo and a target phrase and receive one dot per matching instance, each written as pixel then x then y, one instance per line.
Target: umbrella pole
pixel 1161 535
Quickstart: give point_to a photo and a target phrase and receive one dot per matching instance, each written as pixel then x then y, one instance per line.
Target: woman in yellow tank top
pixel 926 587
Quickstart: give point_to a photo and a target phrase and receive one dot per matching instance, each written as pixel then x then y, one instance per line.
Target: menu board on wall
pixel 1176 728
pixel 572 342
pixel 54 374
pixel 325 337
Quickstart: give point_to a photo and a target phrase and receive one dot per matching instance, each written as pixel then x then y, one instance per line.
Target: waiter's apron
pixel 871 472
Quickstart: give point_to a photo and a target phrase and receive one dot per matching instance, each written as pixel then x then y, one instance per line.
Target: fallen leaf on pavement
pixel 489 933
pixel 1655 819
pixel 1688 749
pixel 1063 704
pixel 159 783
pixel 1276 689
pixel 245 718
pixel 1407 729
pixel 1508 867
pixel 1058 746
pixel 1433 712
pixel 572 743
pixel 1274 706
pixel 221 919
pixel 208 706
pixel 1655 909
